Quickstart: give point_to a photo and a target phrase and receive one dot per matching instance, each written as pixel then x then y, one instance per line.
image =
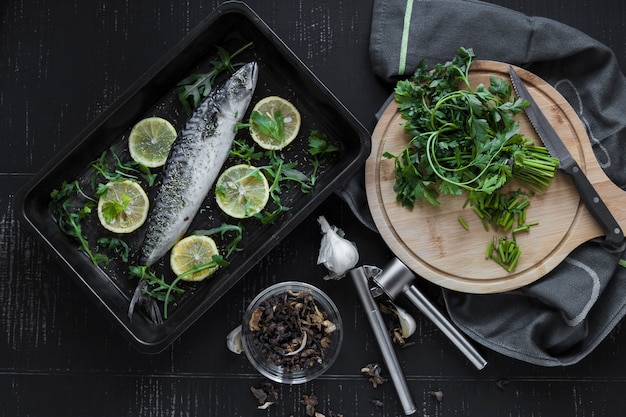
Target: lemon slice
pixel 123 207
pixel 268 133
pixel 191 252
pixel 150 141
pixel 242 191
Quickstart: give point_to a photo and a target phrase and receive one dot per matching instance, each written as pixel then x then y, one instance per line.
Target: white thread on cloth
pixel 595 292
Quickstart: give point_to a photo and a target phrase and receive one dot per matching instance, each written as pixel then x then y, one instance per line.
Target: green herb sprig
pixel 159 289
pixel 321 151
pixel 70 205
pixel 117 246
pixel 223 230
pixel 110 167
pixel 195 87
pixel 216 261
pixel 282 174
pixel 112 208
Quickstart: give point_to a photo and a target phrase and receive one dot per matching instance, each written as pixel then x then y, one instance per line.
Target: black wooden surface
pixel 61 65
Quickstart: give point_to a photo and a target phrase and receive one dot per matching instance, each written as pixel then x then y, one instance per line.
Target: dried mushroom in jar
pixel 291 331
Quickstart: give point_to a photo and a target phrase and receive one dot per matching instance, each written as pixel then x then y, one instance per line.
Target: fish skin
pixel 195 159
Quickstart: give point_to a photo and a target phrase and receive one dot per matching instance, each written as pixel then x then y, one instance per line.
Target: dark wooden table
pixel 61 65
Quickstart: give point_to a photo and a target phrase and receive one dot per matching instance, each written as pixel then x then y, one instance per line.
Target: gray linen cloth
pixel 562 317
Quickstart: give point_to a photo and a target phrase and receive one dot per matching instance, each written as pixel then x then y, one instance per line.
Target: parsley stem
pixel 463 223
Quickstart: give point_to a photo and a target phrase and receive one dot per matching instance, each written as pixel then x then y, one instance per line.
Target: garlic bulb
pixel 338 254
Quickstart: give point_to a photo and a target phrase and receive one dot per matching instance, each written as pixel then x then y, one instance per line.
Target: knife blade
pixel 567 164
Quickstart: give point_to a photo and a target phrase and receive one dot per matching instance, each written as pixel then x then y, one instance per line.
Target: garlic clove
pixel 338 254
pixel 407 322
pixel 301 347
pixel 233 340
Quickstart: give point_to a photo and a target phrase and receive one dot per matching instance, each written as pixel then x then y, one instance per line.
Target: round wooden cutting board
pixel 430 240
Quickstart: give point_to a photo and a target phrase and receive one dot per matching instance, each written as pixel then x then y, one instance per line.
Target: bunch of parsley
pixel 464 138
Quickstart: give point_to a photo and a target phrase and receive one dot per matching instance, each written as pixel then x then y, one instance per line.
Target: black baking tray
pixel 230 26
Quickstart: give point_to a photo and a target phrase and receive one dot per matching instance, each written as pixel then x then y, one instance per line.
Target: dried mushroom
pixel 254 319
pixel 376 402
pixel 309 401
pixel 373 370
pixel 437 395
pixel 266 395
pixel 291 331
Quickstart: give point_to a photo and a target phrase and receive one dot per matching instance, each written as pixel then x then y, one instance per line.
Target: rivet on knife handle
pixel 567 164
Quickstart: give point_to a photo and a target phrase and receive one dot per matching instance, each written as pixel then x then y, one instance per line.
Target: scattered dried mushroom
pixel 309 401
pixel 291 331
pixel 266 395
pixel 502 383
pixel 438 395
pixel 373 370
pixel 376 402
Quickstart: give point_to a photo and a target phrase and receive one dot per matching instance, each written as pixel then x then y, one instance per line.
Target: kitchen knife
pixel 568 164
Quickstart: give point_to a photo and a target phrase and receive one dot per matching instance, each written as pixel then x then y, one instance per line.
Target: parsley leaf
pixel 269 125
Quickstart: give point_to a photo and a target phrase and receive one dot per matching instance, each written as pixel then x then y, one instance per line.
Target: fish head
pixel 242 83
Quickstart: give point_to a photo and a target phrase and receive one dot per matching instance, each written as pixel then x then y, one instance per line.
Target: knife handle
pixel 596 206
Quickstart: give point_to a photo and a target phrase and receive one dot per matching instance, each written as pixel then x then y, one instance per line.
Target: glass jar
pixel 292 332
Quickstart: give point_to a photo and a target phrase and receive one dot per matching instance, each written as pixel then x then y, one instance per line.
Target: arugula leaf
pixel 159 288
pixel 71 205
pixel 245 152
pixel 195 87
pixel 110 167
pixel 223 230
